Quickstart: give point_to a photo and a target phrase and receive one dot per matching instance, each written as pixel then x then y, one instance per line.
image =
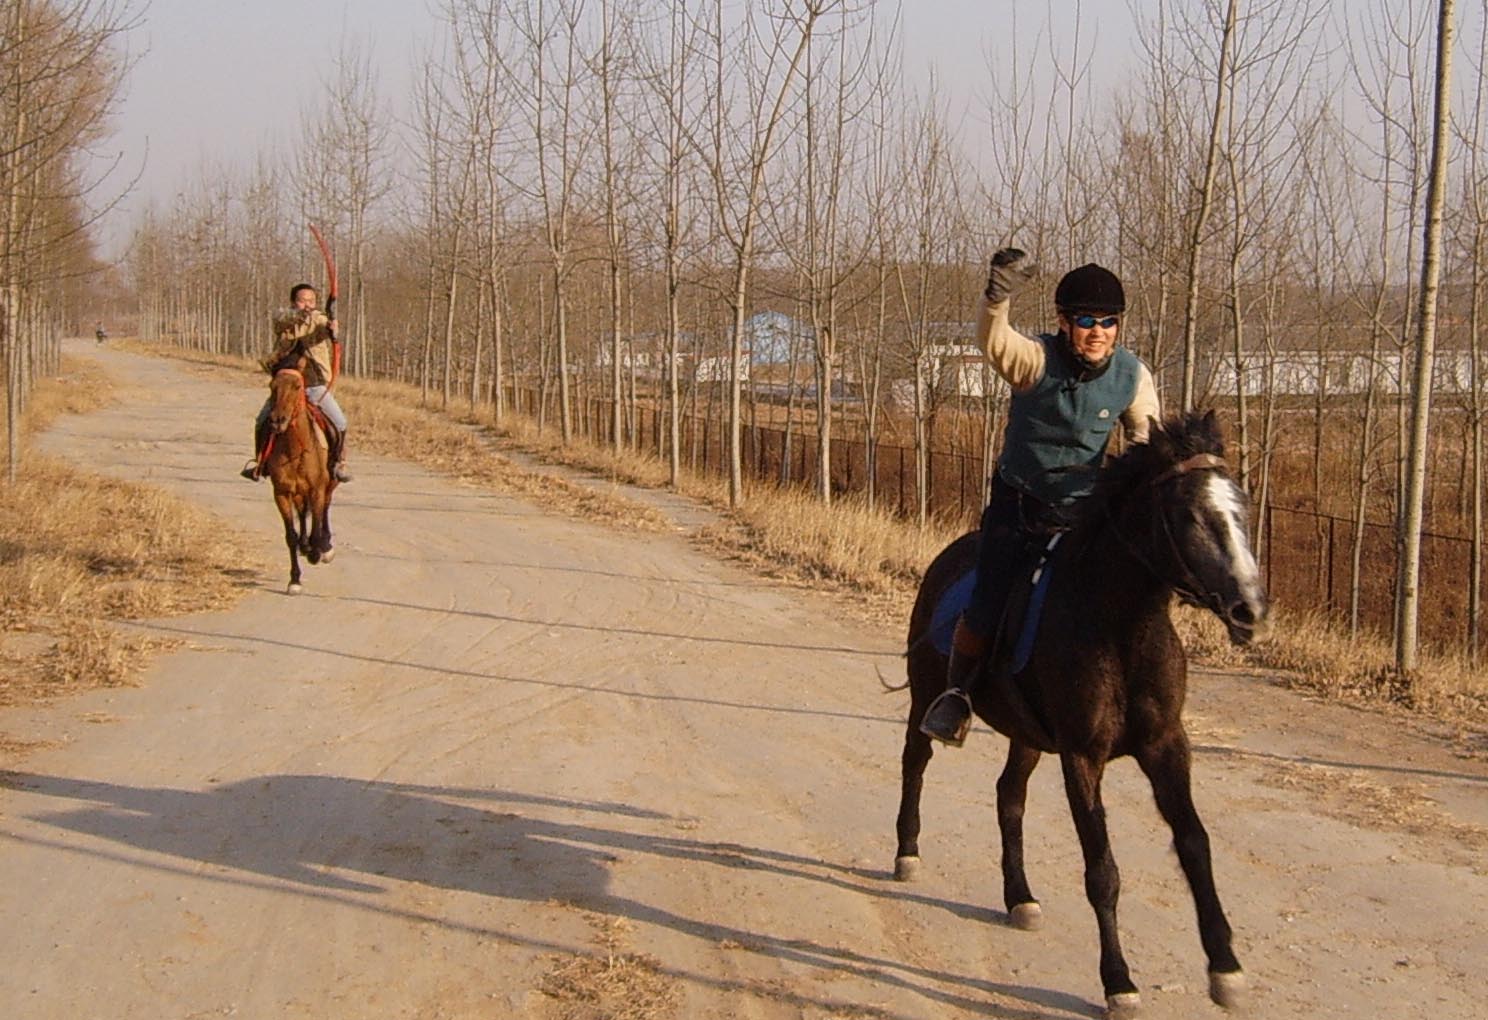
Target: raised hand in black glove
pixel 1011 269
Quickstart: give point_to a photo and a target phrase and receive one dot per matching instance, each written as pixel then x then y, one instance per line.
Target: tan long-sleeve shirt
pixel 311 332
pixel 1020 360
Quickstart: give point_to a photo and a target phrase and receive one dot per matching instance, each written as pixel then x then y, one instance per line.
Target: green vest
pixel 1058 430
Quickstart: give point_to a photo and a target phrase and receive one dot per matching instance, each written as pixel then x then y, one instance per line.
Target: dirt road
pixel 494 761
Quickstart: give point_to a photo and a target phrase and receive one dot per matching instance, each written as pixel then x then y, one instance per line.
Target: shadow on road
pixel 347 840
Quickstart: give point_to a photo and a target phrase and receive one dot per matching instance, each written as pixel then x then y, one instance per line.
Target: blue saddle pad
pixel 953 602
pixel 955 599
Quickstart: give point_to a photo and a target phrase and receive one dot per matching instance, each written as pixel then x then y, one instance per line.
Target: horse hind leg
pixel 307 533
pixel 322 540
pixel 327 550
pixel 1012 795
pixel 917 754
pixel 1167 766
pixel 918 750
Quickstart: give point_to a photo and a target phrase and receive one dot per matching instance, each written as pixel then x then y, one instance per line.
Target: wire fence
pixel 1309 558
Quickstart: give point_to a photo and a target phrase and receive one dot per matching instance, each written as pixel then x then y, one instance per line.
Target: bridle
pixel 1188 588
pixel 299 406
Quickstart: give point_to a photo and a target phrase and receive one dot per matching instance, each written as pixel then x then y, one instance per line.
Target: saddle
pixel 1011 645
pixel 325 433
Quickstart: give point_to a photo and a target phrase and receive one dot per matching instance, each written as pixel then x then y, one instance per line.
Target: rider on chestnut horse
pixel 303 328
pixel 1069 390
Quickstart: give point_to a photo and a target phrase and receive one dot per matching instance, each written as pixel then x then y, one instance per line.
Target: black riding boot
pixel 948 719
pixel 253 470
pixel 337 457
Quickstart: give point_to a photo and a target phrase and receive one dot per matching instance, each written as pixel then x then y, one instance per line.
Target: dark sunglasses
pixel 1090 321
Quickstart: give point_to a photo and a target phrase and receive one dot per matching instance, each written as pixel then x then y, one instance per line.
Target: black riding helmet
pixel 1094 290
pixel 1090 288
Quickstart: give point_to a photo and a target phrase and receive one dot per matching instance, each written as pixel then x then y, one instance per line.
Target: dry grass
pixel 1401 808
pixel 610 984
pixel 80 387
pixel 388 420
pixel 63 576
pixel 1310 654
pixel 867 554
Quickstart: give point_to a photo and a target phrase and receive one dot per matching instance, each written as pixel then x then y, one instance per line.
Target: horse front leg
pixel 1168 767
pixel 1082 779
pixel 1012 795
pixel 292 540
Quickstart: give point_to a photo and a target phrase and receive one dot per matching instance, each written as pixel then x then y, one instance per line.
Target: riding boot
pixel 948 719
pixel 253 470
pixel 337 456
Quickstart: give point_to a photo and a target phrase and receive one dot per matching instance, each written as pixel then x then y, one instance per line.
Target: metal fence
pixel 1307 556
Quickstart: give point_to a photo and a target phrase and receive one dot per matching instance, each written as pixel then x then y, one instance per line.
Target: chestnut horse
pixel 298 465
pixel 1105 675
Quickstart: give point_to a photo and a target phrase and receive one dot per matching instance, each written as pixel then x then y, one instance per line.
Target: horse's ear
pixel 1213 431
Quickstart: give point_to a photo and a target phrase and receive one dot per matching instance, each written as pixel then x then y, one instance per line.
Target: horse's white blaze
pixel 1224 499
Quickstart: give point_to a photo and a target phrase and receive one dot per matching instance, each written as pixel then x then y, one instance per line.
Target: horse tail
pixel 924 636
pixel 888 687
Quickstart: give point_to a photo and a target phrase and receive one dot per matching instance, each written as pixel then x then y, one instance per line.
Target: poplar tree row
pixel 61 65
pixel 594 197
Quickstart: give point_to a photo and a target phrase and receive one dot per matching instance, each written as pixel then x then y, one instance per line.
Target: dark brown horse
pixel 1106 675
pixel 298 465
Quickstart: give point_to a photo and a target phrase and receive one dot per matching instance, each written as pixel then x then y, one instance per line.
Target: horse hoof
pixel 327 556
pixel 1027 916
pixel 906 869
pixel 1227 989
pixel 1123 1006
pixel 294 588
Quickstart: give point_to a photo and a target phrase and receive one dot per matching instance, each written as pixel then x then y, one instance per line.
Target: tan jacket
pixel 1020 360
pixel 312 334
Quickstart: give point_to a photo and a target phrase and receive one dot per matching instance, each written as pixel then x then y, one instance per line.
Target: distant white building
pixel 952 370
pixel 717 369
pixel 1339 373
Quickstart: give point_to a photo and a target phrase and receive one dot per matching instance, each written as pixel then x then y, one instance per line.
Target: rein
pixel 1189 589
pixel 299 409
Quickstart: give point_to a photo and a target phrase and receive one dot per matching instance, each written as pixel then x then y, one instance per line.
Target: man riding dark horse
pixel 304 329
pixel 1069 390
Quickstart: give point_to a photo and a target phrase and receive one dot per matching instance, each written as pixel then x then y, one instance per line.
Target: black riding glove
pixel 1011 269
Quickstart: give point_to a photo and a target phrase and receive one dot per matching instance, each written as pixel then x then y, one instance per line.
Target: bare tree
pixel 549 93
pixel 737 150
pixel 1205 200
pixel 61 70
pixel 1406 650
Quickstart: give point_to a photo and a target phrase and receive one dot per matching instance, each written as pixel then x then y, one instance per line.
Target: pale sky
pixel 219 81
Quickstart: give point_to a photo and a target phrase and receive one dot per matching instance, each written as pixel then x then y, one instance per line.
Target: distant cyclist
pixel 100 334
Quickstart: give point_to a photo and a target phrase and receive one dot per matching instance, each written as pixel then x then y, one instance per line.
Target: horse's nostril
pixel 1241 613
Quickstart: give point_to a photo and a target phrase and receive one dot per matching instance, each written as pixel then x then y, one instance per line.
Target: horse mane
pixel 1171 441
pixel 294 359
